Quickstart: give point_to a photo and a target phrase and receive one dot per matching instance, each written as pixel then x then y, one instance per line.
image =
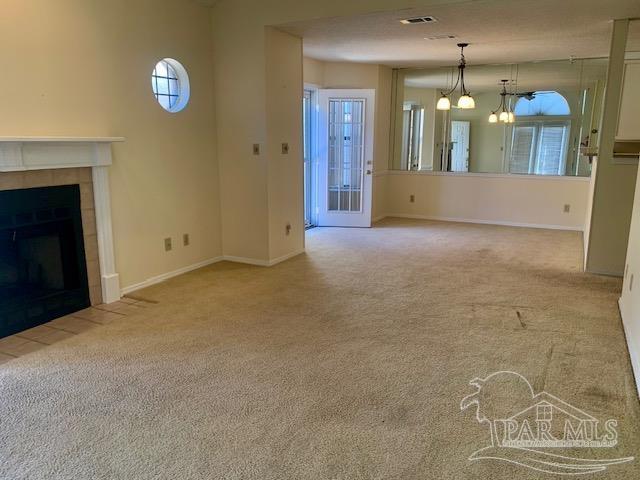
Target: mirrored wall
pixel 531 118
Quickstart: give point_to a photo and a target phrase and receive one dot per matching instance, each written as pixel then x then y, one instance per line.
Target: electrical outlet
pixel 185 239
pixel 167 244
pixel 256 149
pixel 412 199
pixel 567 208
pixel 285 148
pixel 287 229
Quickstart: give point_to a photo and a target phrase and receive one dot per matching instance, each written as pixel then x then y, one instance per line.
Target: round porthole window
pixel 170 83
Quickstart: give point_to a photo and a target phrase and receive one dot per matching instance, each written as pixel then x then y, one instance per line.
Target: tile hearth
pixel 68 326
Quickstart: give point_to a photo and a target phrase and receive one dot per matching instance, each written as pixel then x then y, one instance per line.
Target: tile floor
pixel 64 327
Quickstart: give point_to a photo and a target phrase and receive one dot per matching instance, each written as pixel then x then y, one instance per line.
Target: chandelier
pixel 505 114
pixel 465 100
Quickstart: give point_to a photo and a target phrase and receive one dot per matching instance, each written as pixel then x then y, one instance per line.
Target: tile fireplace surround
pixel 28 162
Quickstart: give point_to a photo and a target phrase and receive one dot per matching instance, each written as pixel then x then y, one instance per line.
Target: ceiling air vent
pixel 413 20
pixel 440 37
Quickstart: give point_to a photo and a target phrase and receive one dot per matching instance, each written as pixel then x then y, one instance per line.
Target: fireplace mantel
pixel 38 153
pixel 48 153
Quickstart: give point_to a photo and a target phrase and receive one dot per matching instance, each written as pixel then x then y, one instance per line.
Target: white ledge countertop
pixel 62 139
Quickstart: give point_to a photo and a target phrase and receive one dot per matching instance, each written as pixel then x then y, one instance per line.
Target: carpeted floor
pixel 347 362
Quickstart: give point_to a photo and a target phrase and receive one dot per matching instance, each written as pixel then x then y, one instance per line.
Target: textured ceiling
pixel 499 31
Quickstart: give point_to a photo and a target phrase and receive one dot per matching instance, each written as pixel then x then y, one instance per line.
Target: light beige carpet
pixel 348 362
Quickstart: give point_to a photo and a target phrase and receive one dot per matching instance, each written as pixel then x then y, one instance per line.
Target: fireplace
pixel 43 272
pixel 56 243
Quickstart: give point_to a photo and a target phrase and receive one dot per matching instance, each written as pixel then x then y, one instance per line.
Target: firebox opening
pixel 43 271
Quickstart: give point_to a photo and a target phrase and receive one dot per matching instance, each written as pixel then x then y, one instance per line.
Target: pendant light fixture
pixel 503 113
pixel 465 101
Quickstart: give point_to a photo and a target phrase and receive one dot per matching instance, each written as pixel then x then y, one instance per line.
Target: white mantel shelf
pixel 41 153
pixel 20 154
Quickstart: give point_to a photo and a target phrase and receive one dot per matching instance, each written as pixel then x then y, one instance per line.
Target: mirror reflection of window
pixel 412 137
pixel 541 134
pixel 537 104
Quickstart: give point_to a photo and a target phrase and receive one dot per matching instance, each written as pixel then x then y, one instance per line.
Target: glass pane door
pixel 346 155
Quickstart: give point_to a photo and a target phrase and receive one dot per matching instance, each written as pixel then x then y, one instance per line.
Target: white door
pixel 345 157
pixel 460 146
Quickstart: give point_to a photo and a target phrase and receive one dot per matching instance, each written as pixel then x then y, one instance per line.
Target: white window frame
pixel 539 123
pixel 184 87
pixel 412 137
pixel 313 145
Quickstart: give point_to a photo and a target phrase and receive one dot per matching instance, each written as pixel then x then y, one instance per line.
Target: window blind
pixel 523 136
pixel 550 149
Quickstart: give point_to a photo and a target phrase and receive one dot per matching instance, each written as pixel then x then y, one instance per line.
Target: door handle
pixel 368 172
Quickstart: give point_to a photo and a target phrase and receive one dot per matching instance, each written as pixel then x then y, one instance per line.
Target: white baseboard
pixel 166 276
pixel 246 260
pixel 484 222
pixel 281 259
pixel 230 258
pixel 260 262
pixel 634 353
pixel 606 273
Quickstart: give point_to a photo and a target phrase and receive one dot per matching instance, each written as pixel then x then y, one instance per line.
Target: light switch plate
pixel 256 149
pixel 167 244
pixel 285 148
pixel 185 239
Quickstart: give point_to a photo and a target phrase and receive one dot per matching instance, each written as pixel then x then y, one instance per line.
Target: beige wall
pixel 630 299
pixel 284 120
pixel 82 68
pixel 239 84
pixel 614 183
pixel 258 93
pixel 382 141
pixel 502 199
pixel 313 71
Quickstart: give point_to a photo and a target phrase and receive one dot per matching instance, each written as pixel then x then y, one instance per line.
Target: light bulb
pixel 444 103
pixel 504 117
pixel 493 118
pixel 466 102
pixel 511 118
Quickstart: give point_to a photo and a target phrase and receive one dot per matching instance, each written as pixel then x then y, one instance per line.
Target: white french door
pixel 460 131
pixel 345 157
